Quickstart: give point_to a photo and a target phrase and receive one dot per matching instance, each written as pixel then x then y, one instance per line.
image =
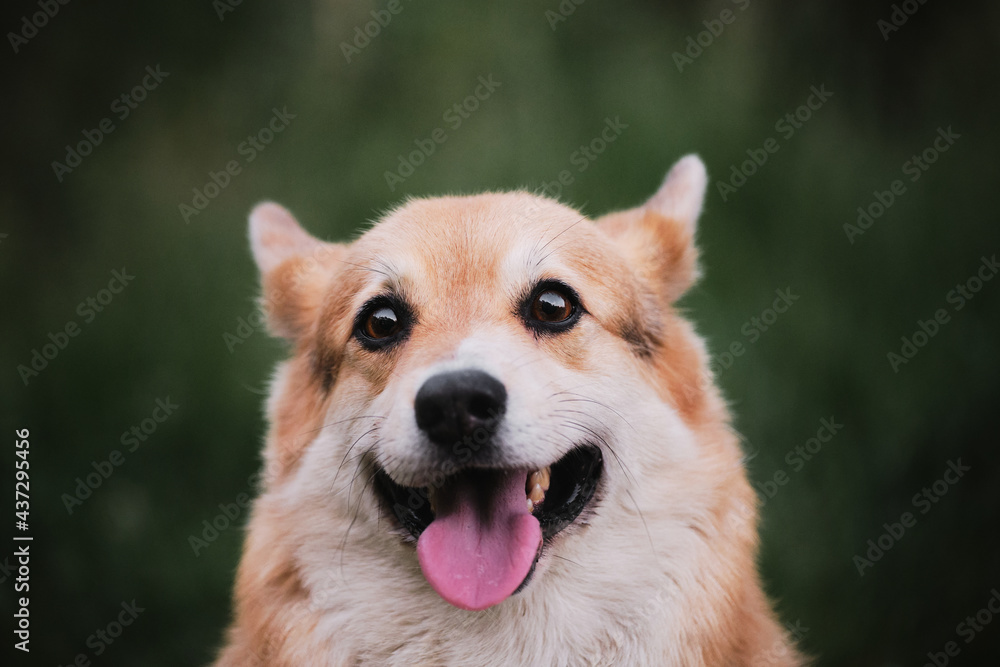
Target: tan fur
pixel 662 572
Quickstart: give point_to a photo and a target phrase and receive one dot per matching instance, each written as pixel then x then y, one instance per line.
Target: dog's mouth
pixel 480 533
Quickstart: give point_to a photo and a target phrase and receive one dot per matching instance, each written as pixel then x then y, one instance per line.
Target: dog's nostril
pixel 452 406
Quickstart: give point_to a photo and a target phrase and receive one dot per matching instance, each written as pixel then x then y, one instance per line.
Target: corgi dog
pixel 497 442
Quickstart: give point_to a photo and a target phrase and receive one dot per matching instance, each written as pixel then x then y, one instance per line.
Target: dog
pixel 497 442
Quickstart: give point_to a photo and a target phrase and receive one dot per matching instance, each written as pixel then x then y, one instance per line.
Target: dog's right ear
pixel 295 269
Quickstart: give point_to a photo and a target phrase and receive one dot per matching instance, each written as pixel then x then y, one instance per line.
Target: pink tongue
pixel 482 545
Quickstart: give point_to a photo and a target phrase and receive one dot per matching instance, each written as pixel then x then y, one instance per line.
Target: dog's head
pixel 492 378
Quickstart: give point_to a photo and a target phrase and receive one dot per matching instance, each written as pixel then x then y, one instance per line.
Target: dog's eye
pixel 551 306
pixel 382 323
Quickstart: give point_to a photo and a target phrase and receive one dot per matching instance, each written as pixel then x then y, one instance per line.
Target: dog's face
pixel 484 384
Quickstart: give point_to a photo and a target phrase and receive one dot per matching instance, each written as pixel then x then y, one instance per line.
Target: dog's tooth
pixel 531 506
pixel 537 494
pixel 538 478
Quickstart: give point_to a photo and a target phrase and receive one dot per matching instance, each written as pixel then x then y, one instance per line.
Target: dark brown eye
pixel 382 323
pixel 552 307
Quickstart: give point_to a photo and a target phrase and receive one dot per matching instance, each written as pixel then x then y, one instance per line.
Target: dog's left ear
pixel 295 269
pixel 658 237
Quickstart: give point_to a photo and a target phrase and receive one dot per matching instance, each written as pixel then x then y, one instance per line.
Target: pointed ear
pixel 658 237
pixel 295 269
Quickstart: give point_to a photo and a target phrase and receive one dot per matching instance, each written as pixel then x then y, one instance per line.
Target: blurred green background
pixel 165 334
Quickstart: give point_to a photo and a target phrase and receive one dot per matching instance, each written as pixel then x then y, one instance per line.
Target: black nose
pixel 453 406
